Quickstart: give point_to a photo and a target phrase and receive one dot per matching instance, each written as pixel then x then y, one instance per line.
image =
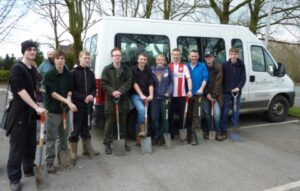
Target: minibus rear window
pixel 202 45
pixel 93 51
pixel 133 44
pixel 237 43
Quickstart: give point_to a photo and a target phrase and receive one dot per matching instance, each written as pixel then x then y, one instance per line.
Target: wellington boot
pixel 73 147
pixel 138 140
pixel 87 149
pixel 142 131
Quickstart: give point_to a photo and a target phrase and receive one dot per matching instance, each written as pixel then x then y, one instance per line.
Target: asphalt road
pixel 267 158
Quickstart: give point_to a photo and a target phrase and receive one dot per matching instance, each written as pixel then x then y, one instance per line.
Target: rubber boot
pixel 138 140
pixel 142 131
pixel 73 147
pixel 87 149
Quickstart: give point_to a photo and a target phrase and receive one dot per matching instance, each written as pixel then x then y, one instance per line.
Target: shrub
pixel 4 74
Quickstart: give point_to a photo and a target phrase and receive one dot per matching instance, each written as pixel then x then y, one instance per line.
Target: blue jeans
pixel 158 116
pixel 228 105
pixel 140 108
pixel 207 114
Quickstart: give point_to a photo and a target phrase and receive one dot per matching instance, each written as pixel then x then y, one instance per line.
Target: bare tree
pixel 52 11
pixel 80 13
pixel 284 12
pixel 8 18
pixel 224 8
pixel 180 9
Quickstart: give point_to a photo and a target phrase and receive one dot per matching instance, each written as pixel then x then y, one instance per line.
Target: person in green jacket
pixel 59 84
pixel 116 81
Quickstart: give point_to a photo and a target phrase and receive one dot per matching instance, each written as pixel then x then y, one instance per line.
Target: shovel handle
pixel 146 116
pixel 234 95
pixel 167 108
pixel 65 120
pixel 42 129
pixel 117 117
pixel 199 108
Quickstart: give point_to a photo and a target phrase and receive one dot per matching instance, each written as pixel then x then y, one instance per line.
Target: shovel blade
pixel 199 135
pixel 146 145
pixel 183 135
pixel 168 141
pixel 65 158
pixel 212 135
pixel 41 177
pixel 119 147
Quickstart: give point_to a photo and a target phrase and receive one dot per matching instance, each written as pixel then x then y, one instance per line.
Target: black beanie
pixel 27 44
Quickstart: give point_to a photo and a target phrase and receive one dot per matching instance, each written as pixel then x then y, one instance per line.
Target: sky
pixel 32 26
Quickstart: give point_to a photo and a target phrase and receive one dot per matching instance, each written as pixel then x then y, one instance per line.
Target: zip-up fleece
pixel 166 84
pixel 84 84
pixel 234 76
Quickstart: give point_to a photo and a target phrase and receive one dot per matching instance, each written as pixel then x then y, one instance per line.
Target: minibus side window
pixel 133 44
pixel 261 60
pixel 258 61
pixel 217 46
pixel 202 45
pixel 187 44
pixel 87 44
pixel 237 43
pixel 93 51
pixel 269 62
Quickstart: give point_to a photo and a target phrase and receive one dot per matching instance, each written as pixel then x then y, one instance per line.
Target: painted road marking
pixel 269 124
pixel 285 187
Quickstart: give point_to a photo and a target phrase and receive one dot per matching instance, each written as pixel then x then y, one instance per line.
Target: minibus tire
pixel 278 109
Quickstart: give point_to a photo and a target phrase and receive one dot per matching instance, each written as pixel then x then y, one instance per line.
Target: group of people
pixel 174 87
pixel 164 87
pixel 58 92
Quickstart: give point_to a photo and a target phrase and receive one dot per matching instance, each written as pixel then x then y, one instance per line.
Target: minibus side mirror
pixel 280 71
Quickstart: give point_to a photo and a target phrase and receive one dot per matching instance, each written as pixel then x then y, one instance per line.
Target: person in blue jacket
pixel 163 89
pixel 199 76
pixel 233 81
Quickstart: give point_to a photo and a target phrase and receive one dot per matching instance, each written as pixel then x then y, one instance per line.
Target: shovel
pixel 40 172
pixel 167 135
pixel 119 144
pixel 212 133
pixel 146 144
pixel 183 131
pixel 89 117
pixel 198 131
pixel 235 135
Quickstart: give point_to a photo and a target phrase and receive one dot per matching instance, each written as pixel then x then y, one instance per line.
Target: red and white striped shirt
pixel 180 74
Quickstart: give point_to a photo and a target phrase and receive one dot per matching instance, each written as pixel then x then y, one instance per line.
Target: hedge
pixel 4 74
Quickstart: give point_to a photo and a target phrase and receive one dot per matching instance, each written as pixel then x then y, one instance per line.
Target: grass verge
pixel 294 111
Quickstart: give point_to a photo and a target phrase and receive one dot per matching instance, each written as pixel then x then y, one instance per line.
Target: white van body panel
pixel 258 93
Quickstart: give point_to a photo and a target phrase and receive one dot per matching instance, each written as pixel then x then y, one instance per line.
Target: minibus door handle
pixel 252 78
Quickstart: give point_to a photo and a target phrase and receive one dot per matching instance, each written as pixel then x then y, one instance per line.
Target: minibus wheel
pixel 278 109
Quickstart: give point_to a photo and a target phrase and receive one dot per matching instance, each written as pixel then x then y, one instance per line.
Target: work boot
pixel 15 186
pixel 51 168
pixel 160 142
pixel 138 140
pixel 142 131
pixel 87 149
pixel 73 146
pixel 219 137
pixel 127 148
pixel 193 140
pixel 224 135
pixel 108 150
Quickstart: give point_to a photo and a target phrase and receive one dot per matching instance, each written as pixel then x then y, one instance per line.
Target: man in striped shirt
pixel 181 75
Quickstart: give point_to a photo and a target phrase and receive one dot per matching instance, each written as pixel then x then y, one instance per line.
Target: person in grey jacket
pixel 163 89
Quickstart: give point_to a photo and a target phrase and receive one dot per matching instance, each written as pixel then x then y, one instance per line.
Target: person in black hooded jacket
pixel 233 81
pixel 84 92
